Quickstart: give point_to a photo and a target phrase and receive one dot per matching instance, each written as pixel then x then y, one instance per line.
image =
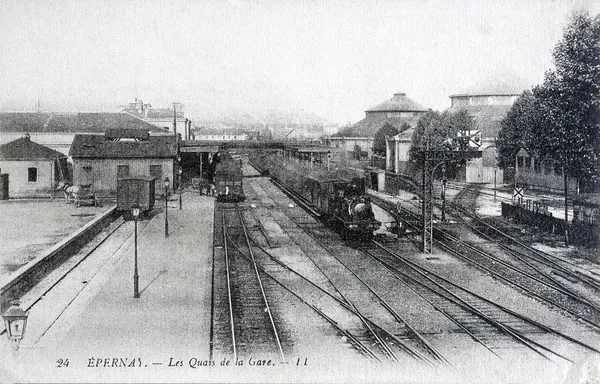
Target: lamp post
pixel 180 172
pixel 15 321
pixel 135 211
pixel 495 172
pixel 167 182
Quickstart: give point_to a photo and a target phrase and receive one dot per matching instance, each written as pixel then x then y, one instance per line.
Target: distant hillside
pixel 275 117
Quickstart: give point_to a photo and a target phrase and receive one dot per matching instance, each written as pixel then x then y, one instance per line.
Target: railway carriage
pixel 339 196
pixel 228 177
pixel 135 191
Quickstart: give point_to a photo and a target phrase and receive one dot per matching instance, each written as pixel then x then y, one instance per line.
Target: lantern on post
pixel 135 212
pixel 15 320
pixel 167 183
pixel 180 174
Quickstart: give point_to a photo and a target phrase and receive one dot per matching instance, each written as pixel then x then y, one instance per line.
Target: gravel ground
pixel 29 227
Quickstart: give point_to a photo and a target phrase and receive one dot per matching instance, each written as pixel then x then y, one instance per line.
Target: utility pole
pixel 566 207
pixel 174 119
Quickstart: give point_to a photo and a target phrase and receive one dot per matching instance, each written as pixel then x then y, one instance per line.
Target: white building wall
pixel 18 177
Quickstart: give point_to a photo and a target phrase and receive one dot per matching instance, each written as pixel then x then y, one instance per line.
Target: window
pixel 32 175
pixel 528 162
pixel 536 166
pixel 122 171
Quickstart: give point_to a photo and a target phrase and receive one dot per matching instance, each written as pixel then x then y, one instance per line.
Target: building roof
pixel 221 131
pixel 486 118
pixel 127 133
pixel 501 83
pixel 405 135
pixel 398 103
pixel 25 149
pixel 369 126
pixel 154 113
pixel 84 122
pixel 99 146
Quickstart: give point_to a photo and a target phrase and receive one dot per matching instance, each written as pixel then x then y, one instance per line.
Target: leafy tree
pixel 434 129
pixel 517 128
pixel 387 130
pixel 379 140
pixel 560 121
pixel 570 100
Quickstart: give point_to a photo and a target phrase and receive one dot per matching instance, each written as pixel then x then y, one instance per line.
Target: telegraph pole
pixel 174 119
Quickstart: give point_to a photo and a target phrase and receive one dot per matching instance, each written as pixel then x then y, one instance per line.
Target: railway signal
pixel 455 150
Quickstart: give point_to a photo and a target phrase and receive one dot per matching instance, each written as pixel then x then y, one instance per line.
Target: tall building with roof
pixel 487 103
pixel 171 119
pixel 358 138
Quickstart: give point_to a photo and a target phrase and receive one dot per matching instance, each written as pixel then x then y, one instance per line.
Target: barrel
pixel 3 186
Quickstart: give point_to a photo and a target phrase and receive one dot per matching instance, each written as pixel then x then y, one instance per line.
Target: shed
pixel 101 160
pixel 33 169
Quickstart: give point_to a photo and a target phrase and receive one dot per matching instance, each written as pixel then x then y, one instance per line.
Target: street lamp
pixel 135 211
pixel 180 172
pixel 167 182
pixel 15 320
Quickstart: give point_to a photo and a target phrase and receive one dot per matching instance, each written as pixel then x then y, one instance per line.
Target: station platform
pixel 107 335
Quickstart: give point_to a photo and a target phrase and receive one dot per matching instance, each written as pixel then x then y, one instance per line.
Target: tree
pixel 559 121
pixel 434 129
pixel 517 129
pixel 379 140
pixel 570 100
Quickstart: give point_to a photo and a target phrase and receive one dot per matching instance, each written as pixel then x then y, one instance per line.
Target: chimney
pixel 27 136
pixel 174 121
pixel 399 94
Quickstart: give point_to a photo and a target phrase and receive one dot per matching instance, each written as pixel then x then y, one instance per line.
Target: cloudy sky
pixel 333 58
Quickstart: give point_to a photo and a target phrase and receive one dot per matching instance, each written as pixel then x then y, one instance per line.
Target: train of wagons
pixel 226 175
pixel 339 196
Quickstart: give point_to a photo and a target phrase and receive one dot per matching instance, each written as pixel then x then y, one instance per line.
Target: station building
pixel 100 160
pixel 33 169
pixel 357 139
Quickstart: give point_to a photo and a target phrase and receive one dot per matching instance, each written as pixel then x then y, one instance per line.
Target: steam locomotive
pixel 338 196
pixel 226 174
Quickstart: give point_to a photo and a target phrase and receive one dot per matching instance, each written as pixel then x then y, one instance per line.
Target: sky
pixel 332 58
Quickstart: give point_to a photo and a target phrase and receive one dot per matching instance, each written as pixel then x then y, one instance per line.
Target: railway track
pixel 564 284
pixel 341 278
pixel 528 278
pixel 486 322
pixel 319 300
pixel 251 328
pixel 525 253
